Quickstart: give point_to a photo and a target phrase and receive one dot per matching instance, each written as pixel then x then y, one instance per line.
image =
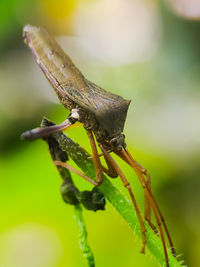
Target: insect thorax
pixel 112 138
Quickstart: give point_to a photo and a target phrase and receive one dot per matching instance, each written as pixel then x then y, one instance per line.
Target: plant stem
pixel 87 253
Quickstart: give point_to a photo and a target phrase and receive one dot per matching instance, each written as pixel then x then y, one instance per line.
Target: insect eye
pixel 114 142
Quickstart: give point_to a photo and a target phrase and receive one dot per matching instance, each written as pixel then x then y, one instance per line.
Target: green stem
pixel 87 253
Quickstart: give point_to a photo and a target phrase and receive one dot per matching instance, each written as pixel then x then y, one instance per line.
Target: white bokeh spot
pixel 118 31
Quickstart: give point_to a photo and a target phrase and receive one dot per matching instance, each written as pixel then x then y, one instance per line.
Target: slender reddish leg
pixel 127 185
pixel 147 206
pixel 96 159
pixel 160 214
pixel 111 171
pixel 70 168
pixel 144 171
pixel 152 201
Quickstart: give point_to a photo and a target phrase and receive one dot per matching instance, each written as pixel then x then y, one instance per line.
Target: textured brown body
pixel 102 111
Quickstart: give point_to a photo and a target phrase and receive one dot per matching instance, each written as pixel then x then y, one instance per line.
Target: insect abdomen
pixel 56 65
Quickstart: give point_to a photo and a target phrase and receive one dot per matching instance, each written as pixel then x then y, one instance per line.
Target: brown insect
pixel 103 115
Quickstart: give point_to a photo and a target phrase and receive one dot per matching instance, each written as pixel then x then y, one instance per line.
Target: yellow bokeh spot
pixel 59 9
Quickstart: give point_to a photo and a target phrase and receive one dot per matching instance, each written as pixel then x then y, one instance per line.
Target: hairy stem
pixel 87 253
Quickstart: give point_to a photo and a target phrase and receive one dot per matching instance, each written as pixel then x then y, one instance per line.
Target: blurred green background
pixel 146 51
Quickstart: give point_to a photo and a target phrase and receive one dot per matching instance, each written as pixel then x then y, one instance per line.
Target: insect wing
pixel 68 81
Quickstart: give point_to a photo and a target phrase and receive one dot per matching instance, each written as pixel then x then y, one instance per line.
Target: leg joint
pixel 126 184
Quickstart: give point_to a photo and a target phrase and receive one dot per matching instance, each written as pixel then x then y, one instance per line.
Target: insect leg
pixel 153 204
pixel 96 159
pixel 70 168
pixel 42 132
pixel 127 185
pixel 147 206
pixel 159 212
pixel 110 171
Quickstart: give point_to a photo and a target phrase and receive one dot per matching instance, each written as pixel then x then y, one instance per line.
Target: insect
pixel 102 114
